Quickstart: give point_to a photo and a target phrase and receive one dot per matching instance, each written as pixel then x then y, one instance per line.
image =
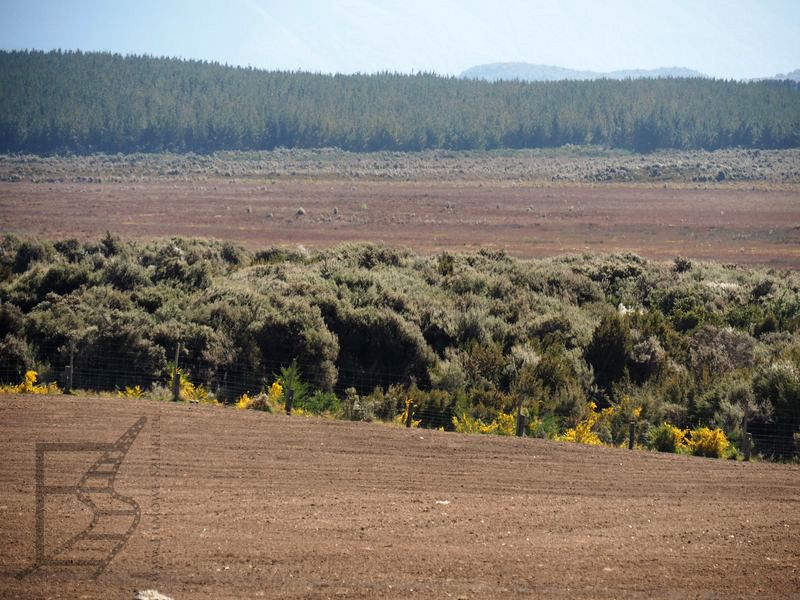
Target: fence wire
pixel 113 370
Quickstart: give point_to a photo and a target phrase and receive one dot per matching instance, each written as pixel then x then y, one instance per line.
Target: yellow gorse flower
pixel 244 401
pixel 275 391
pixel 273 398
pixel 29 386
pixel 708 442
pixel 583 432
pixel 503 424
pixel 190 392
pixel 131 392
pixel 402 418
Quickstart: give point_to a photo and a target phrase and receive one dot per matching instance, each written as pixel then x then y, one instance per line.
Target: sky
pixel 722 38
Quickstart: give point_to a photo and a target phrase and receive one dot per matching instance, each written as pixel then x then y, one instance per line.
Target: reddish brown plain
pixel 246 504
pixel 732 223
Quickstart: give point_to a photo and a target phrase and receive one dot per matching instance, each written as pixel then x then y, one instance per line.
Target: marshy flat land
pixel 258 505
pixel 728 206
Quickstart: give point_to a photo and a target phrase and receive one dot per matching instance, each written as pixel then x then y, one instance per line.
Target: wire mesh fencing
pixel 357 394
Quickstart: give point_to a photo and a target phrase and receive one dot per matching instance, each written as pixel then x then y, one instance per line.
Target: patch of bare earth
pixel 246 504
pixel 734 223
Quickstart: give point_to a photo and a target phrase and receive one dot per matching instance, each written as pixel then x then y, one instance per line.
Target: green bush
pixel 434 408
pixel 63 278
pixel 609 350
pixel 29 252
pixel 12 319
pixel 666 438
pixel 16 358
pixel 125 274
pixel 321 403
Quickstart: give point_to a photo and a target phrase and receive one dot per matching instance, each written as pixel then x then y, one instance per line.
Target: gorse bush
pixel 131 392
pixel 28 385
pixel 586 430
pixel 667 438
pixel 708 442
pixel 610 349
pixel 268 401
pixel 503 424
pixel 366 327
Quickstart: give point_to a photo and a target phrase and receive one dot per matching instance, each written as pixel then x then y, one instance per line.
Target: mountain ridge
pixel 523 71
pixel 536 72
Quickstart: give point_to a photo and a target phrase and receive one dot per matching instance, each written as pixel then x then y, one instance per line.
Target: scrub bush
pixel 667 438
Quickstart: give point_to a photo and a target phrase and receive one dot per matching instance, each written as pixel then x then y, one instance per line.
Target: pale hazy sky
pixel 731 39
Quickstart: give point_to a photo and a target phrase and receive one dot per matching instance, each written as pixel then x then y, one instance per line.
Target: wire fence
pixel 115 369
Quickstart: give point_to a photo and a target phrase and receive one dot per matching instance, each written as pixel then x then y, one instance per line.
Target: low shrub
pixel 585 431
pixel 707 442
pixel 16 358
pixel 402 418
pixel 190 392
pixel 321 402
pixel 267 401
pixel 667 438
pixel 131 392
pixel 545 427
pixel 29 386
pixel 503 424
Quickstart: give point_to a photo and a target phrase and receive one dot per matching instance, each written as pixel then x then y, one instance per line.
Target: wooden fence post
pixel 67 379
pixel 521 422
pixel 69 371
pixel 520 418
pixel 631 435
pixel 289 399
pixel 176 377
pixel 748 445
pixel 747 440
pixel 409 414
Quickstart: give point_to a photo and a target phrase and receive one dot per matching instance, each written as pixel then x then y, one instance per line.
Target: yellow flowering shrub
pixel 584 432
pixel 503 424
pixel 244 401
pixel 708 442
pixel 131 392
pixel 190 392
pixel 272 399
pixel 403 417
pixel 467 424
pixel 29 386
pixel 275 392
pixel 668 438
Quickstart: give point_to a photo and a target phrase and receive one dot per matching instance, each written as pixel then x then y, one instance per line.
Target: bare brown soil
pixel 254 505
pixel 735 223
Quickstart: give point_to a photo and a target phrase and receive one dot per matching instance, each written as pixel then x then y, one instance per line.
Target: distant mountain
pixel 794 75
pixel 530 72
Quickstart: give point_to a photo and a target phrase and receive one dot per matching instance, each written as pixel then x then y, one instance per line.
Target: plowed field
pixel 245 504
pixel 727 223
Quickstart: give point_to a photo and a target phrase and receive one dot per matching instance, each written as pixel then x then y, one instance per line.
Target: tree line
pixel 56 102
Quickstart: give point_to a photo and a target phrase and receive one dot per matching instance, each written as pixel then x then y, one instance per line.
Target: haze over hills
pixel 793 75
pixel 531 72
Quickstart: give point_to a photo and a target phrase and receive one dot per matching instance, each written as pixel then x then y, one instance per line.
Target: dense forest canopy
pixel 54 102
